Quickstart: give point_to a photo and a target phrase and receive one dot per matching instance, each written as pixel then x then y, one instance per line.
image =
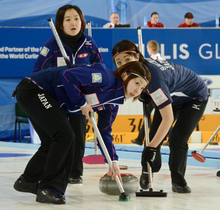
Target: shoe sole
pixel 45 200
pixel 75 183
pixel 179 191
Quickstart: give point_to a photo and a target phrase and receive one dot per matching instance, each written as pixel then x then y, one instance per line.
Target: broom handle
pixel 104 149
pixel 89 29
pixel 211 138
pixel 140 41
pixel 95 136
pixel 147 143
pixel 58 40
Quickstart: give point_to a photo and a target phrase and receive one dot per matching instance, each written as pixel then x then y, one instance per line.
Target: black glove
pixel 145 97
pixel 148 155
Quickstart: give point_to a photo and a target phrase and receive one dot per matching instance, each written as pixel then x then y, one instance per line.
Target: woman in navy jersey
pixel 179 95
pixel 49 96
pixel 80 49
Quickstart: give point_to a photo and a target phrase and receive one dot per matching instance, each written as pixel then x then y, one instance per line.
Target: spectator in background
pixel 114 20
pixel 188 21
pixel 153 23
pixel 153 50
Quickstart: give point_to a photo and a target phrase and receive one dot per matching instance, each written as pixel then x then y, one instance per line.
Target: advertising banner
pixel 197 49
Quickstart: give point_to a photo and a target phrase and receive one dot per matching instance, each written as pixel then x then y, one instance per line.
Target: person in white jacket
pixel 114 20
pixel 153 50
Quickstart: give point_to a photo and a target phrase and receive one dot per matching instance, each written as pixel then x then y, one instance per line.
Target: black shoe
pixel 50 196
pixel 179 189
pixel 76 180
pixel 22 186
pixel 134 141
pixel 144 180
pixel 218 173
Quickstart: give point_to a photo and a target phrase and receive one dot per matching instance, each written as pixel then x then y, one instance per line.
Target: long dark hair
pixel 60 17
pixel 127 45
pixel 133 69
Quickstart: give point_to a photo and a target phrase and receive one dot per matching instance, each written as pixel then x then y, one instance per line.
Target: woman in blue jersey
pixel 179 95
pixel 49 96
pixel 80 49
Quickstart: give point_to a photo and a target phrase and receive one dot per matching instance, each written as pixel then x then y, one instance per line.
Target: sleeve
pixel 158 89
pixel 106 118
pixel 95 55
pixel 72 79
pixel 149 24
pixel 107 25
pixel 45 59
pixel 182 25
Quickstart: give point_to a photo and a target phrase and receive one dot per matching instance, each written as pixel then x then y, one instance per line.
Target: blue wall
pixel 197 49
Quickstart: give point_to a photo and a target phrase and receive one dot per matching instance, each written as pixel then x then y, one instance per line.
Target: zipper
pixel 74 56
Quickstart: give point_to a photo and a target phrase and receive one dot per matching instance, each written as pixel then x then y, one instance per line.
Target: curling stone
pixel 109 186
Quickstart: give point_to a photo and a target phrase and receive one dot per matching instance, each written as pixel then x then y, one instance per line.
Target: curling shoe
pixel 76 180
pixel 218 174
pixel 180 189
pixel 144 180
pixel 50 195
pixel 134 141
pixel 22 186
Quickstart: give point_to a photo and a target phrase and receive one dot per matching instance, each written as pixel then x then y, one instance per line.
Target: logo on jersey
pixel 96 77
pixel 159 97
pixel 92 99
pixel 88 42
pixel 83 55
pixel 61 61
pixel 44 51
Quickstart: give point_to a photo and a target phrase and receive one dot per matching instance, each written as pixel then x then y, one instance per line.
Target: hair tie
pixel 137 75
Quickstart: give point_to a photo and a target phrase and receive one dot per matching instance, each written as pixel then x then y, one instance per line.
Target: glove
pixel 145 97
pixel 148 155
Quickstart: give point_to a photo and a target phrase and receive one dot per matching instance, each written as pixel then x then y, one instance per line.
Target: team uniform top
pixel 173 83
pixel 157 25
pixel 93 84
pixel 184 25
pixel 50 55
